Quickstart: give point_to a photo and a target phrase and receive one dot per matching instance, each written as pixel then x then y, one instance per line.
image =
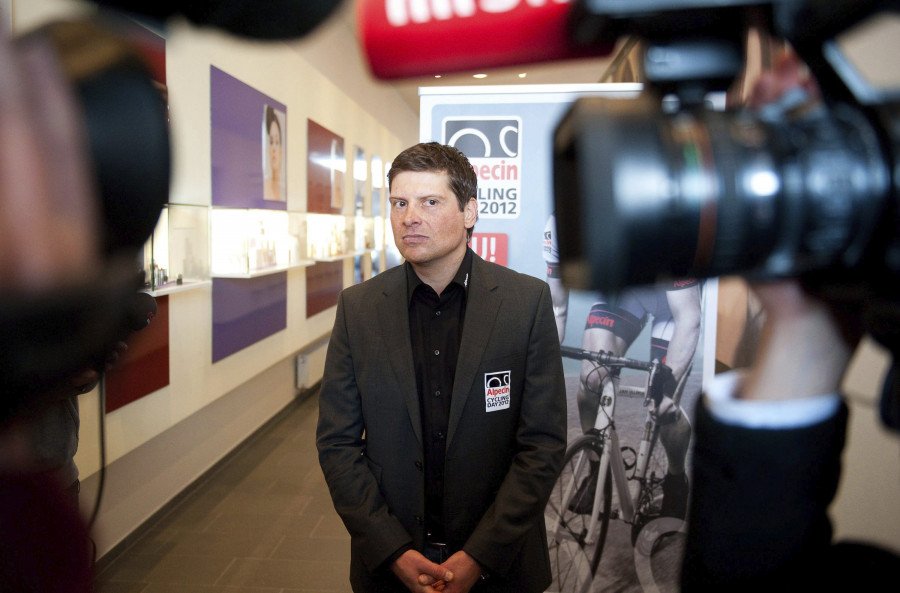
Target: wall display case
pixel 379 226
pixel 246 243
pixel 176 257
pixel 365 233
pixel 334 236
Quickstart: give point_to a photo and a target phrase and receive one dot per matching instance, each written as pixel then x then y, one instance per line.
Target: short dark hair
pixel 433 156
pixel 272 118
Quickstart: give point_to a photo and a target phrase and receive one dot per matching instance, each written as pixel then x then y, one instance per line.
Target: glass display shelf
pixel 333 237
pixel 247 243
pixel 379 226
pixel 365 233
pixel 175 257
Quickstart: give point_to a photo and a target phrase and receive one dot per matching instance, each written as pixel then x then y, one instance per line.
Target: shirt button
pixel 418 465
pixel 438 313
pixel 437 352
pixel 418 519
pixel 437 393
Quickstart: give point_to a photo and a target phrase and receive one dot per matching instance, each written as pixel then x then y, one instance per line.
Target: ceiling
pixel 568 72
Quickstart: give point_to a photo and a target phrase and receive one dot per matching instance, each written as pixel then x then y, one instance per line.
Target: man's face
pixel 428 225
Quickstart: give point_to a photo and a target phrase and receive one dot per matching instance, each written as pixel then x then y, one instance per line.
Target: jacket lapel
pixel 482 305
pixel 393 318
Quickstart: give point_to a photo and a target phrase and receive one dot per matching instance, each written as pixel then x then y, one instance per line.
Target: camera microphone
pixel 141 312
pixel 405 38
pixel 269 20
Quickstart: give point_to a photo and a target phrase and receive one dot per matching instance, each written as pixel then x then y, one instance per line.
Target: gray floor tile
pixel 227 545
pixel 189 570
pixel 103 587
pixel 263 523
pixel 169 588
pixel 312 548
pixel 298 574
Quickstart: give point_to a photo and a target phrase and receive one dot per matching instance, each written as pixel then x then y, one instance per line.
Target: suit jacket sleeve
pixel 758 510
pixel 376 533
pixel 541 444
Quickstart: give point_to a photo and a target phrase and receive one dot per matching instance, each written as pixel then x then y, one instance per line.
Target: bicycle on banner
pixel 628 483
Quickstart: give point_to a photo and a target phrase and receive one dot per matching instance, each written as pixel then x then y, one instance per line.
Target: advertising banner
pixel 615 517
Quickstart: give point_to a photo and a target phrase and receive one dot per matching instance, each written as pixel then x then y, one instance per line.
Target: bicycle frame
pixel 605 428
pixel 628 491
pixel 598 455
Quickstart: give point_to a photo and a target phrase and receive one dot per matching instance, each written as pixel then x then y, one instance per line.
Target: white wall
pixel 159 444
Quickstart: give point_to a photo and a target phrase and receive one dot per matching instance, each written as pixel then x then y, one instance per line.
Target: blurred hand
pixel 788 74
pixel 802 352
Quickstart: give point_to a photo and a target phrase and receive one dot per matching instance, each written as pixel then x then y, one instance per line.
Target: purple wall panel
pixel 244 310
pixel 247 310
pixel 237 111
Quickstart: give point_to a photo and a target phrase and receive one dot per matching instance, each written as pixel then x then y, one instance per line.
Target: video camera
pixel 48 336
pixel 663 187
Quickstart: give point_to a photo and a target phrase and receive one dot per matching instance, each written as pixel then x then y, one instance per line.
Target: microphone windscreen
pixel 407 38
pixel 266 19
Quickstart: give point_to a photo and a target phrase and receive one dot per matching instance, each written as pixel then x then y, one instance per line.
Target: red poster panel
pixel 325 170
pixel 144 367
pixel 492 247
pixel 324 282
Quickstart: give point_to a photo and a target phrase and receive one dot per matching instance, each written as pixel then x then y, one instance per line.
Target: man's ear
pixel 471 211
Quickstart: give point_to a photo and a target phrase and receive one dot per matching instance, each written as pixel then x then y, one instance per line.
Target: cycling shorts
pixel 626 313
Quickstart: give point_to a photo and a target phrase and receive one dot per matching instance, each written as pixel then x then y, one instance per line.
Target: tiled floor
pixel 263 522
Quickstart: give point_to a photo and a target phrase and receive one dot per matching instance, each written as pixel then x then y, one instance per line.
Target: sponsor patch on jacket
pixel 496 391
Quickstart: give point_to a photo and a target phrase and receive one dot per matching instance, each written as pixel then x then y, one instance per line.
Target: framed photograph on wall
pixel 274 140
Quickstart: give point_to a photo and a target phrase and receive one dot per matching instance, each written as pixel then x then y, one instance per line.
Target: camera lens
pixel 642 196
pixel 126 123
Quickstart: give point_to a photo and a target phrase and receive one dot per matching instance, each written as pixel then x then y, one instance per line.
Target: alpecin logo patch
pixel 496 391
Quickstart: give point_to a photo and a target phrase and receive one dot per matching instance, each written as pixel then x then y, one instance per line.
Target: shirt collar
pixel 462 277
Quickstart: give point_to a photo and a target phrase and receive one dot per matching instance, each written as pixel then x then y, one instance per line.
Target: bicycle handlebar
pixel 604 358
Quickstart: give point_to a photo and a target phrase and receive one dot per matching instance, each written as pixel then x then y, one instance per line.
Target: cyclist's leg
pixel 602 332
pixel 592 377
pixel 675 436
pixel 611 326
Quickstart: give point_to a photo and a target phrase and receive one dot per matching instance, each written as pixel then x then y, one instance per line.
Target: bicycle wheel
pixel 575 549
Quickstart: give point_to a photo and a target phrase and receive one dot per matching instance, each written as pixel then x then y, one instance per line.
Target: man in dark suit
pixel 442 413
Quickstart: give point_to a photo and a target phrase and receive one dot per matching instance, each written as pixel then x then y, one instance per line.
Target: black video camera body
pixel 649 192
pixel 664 187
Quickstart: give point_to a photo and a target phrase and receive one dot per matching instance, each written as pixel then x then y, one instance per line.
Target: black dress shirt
pixel 435 325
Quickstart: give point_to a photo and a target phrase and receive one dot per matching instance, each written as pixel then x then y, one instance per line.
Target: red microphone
pixel 406 38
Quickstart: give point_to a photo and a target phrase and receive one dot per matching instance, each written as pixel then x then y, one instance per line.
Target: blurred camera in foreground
pixel 649 189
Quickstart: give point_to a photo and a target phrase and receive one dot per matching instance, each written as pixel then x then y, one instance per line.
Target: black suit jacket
pixel 501 461
pixel 758 517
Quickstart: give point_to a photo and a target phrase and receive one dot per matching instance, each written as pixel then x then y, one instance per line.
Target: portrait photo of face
pixel 274 173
